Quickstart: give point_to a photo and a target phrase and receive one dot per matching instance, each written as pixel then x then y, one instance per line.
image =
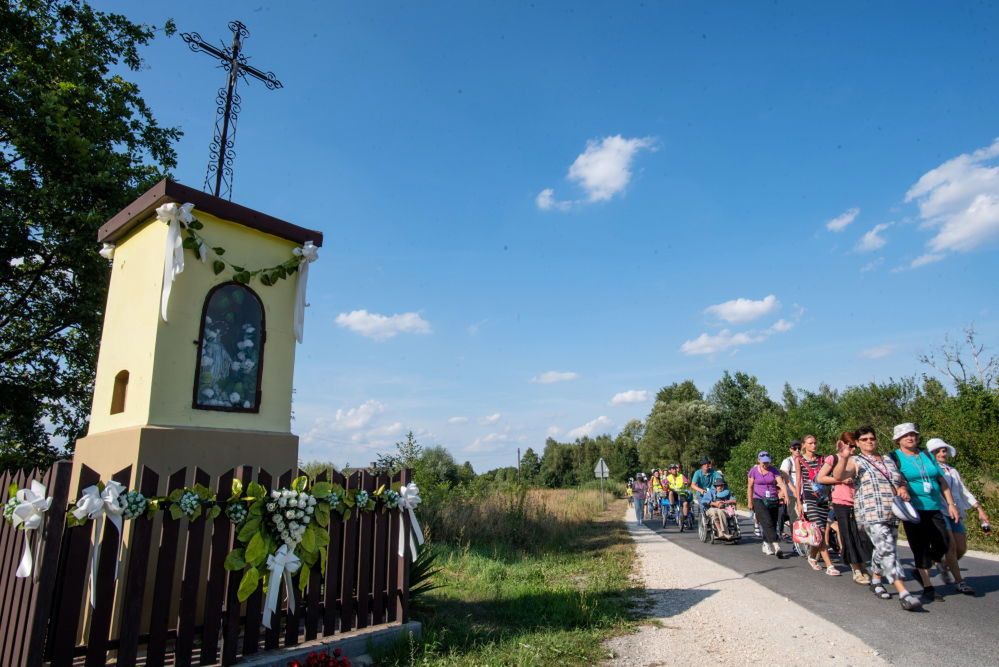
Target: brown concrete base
pixel 355 645
pixel 167 449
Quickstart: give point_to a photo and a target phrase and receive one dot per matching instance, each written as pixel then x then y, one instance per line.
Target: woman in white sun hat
pixel 931 497
pixel 950 571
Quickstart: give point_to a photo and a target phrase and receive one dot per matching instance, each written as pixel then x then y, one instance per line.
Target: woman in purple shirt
pixel 764 491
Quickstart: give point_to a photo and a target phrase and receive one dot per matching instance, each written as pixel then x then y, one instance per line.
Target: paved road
pixel 956 630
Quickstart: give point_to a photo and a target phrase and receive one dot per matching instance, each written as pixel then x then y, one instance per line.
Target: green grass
pixel 550 602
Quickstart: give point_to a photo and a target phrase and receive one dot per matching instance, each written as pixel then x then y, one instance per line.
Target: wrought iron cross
pixel 222 151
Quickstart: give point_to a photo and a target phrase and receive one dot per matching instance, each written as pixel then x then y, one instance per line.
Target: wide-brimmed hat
pixel 904 429
pixel 936 443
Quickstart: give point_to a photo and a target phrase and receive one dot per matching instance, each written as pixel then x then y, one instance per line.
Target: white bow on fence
pixel 94 504
pixel 29 514
pixel 173 256
pixel 409 499
pixel 282 564
pixel 309 253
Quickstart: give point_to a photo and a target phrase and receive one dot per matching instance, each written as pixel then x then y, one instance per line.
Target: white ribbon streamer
pixel 173 255
pixel 409 499
pixel 309 253
pixel 94 504
pixel 282 564
pixel 30 513
pixel 107 251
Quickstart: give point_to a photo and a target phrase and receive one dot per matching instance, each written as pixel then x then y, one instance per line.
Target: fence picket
pixel 334 568
pixel 312 595
pixel 166 563
pixel 348 586
pixel 402 593
pixel 231 624
pixel 73 579
pixel 191 581
pixel 273 633
pixel 251 631
pixel 135 576
pixel 222 536
pixel 391 585
pixel 15 589
pixel 100 618
pixel 380 555
pixel 365 546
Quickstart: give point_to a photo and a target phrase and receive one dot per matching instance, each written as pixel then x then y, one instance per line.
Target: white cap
pixel 936 443
pixel 904 429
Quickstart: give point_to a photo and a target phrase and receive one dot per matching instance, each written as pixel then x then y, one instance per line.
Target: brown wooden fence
pixel 168 599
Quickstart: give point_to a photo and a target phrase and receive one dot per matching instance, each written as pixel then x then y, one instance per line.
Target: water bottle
pixel 986 528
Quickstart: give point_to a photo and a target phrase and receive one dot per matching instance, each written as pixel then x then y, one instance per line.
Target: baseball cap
pixel 763 457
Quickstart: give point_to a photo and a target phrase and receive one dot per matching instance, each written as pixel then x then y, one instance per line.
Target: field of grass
pixel 529 577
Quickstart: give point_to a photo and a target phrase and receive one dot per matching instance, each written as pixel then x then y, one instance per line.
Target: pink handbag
pixel 806 532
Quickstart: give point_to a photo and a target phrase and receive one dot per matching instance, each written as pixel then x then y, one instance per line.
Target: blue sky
pixel 533 208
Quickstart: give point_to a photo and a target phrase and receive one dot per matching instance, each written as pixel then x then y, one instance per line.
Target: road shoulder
pixel 701 610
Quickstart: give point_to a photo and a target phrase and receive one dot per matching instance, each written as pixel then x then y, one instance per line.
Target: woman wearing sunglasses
pixel 855 545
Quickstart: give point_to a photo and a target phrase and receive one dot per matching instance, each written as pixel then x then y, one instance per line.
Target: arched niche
pixel 230 359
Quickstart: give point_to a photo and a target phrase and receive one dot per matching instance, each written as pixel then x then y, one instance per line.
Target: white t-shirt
pixel 790 468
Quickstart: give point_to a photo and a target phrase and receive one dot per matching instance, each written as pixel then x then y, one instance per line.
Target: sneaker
pixel 767 550
pixel 758 531
pixel 945 574
pixel 778 551
pixel 963 587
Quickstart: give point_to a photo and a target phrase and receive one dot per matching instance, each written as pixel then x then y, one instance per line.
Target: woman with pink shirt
pixel 639 490
pixel 856 546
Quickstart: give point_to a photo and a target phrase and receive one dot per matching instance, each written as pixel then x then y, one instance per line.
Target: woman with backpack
pixel 855 546
pixel 876 483
pixel 814 501
pixel 928 488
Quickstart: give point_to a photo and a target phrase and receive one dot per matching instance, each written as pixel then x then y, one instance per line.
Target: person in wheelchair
pixel 679 495
pixel 716 503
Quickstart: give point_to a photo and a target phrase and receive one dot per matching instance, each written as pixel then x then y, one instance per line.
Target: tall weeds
pixel 516 517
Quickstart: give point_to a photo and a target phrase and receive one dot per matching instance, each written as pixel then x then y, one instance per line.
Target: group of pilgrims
pixel 849 504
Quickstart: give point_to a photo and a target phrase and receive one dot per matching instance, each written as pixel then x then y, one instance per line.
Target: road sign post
pixel 602 472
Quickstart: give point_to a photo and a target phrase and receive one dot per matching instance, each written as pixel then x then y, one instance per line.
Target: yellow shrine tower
pixel 196 364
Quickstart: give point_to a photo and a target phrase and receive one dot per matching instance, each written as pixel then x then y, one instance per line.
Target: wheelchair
pixel 706 528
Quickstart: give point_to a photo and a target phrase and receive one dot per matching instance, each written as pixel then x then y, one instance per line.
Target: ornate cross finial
pixel 222 152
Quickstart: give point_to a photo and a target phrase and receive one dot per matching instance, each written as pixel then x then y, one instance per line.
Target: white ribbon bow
pixel 284 563
pixel 107 251
pixel 409 499
pixel 29 513
pixel 173 256
pixel 309 253
pixel 94 504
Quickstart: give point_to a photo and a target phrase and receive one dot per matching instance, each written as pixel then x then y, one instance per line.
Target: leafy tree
pixel 679 431
pixel 407 455
pixel 466 474
pixel 740 400
pixel 557 465
pixel 435 466
pixel 679 392
pixel 77 143
pixel 530 466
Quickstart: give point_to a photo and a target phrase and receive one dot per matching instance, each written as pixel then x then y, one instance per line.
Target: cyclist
pixel 656 488
pixel 677 482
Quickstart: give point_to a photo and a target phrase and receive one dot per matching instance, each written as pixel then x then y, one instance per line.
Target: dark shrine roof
pixel 169 191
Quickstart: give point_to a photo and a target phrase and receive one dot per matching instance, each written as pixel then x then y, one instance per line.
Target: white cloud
pixel 960 199
pixel 491 419
pixel 359 417
pixel 877 352
pixel 738 311
pixel 393 429
pixel 780 326
pixel 552 431
pixel 546 201
pixel 923 260
pixel 602 170
pixel 873 240
pixel 723 340
pixel 873 264
pixel 382 327
pixel 551 377
pixel 840 222
pixel 630 396
pixel 590 428
pixel 458 420
pixel 727 340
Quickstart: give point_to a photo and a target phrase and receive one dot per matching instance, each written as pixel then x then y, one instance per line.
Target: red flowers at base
pixel 323 659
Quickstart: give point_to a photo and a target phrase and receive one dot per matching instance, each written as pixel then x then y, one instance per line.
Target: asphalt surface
pixel 959 629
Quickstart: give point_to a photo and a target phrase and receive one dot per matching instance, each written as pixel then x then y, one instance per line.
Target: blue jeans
pixel 640 509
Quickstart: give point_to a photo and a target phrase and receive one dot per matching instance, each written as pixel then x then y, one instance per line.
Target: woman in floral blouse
pixel 876 482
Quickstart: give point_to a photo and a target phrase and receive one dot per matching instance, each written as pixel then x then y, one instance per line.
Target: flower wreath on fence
pixel 280 532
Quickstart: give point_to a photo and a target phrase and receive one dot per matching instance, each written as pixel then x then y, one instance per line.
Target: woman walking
pixel 950 570
pixel 855 546
pixel 639 490
pixel 929 491
pixel 764 489
pixel 876 482
pixel 814 506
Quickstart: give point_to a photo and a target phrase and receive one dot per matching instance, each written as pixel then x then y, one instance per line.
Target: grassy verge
pixel 537 577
